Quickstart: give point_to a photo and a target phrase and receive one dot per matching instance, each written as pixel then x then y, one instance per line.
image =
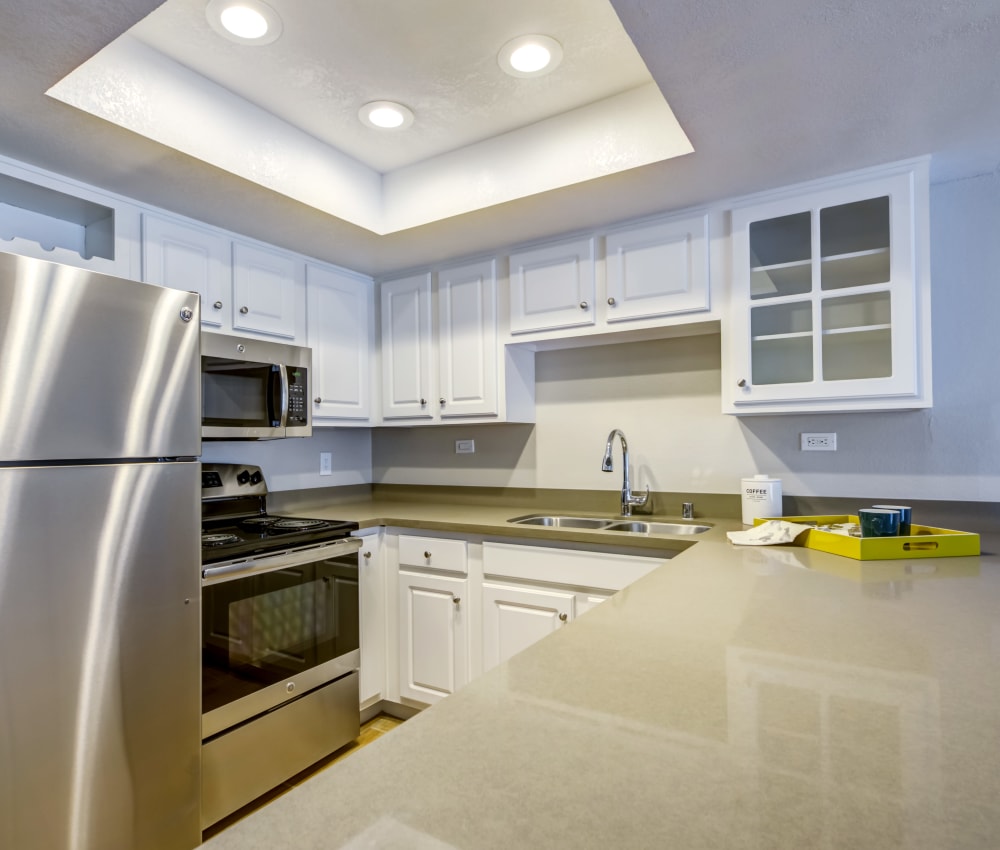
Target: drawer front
pixel 434 553
pixel 605 570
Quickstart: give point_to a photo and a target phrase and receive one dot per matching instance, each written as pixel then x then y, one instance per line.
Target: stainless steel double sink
pixel 629 526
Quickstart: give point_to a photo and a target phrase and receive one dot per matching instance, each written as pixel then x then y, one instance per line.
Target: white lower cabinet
pixel 433 635
pixel 516 617
pixel 372 620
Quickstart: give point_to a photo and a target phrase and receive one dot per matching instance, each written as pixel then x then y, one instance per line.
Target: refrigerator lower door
pixel 100 708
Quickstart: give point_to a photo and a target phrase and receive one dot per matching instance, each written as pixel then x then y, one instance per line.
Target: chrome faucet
pixel 628 498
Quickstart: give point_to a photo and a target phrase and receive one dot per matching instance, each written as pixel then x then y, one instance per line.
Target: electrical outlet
pixel 819 442
pixel 465 447
pixel 326 463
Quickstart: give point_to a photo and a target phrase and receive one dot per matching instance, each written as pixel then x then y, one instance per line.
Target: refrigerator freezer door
pixel 100 707
pixel 94 366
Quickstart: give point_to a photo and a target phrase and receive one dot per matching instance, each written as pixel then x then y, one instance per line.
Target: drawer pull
pixel 564 617
pixel 366 555
pixel 244 310
pixel 457 599
pixel 427 555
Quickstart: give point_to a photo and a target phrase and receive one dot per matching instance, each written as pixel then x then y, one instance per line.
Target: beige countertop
pixel 734 697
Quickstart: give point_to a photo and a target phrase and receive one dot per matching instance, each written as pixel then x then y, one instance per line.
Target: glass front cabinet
pixel 830 300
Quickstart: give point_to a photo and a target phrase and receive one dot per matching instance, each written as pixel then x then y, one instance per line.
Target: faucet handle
pixel 639 501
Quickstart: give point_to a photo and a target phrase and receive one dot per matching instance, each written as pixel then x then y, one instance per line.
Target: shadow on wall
pixel 504 455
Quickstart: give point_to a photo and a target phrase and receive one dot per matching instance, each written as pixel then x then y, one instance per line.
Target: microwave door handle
pixel 279 395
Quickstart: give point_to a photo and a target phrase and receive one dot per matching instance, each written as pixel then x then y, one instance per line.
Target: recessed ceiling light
pixel 244 21
pixel 385 115
pixel 530 56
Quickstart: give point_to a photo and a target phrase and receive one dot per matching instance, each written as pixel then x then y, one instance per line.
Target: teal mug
pixel 878 522
pixel 905 516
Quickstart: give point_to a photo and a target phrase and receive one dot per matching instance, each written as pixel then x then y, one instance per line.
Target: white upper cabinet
pixel 830 302
pixel 467 340
pixel 184 256
pixel 340 332
pixel 660 269
pixel 442 358
pixel 552 287
pixel 406 348
pixel 268 292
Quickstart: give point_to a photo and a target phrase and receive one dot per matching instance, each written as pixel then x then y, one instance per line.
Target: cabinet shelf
pixel 793 335
pixel 857 329
pixel 797 264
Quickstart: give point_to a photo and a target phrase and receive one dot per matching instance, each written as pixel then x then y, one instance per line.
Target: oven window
pixel 270 627
pixel 235 393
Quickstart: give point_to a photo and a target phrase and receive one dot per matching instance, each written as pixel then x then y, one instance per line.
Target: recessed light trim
pixel 385 115
pixel 244 21
pixel 530 56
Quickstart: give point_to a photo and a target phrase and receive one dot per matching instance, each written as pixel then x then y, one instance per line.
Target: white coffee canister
pixel 761 497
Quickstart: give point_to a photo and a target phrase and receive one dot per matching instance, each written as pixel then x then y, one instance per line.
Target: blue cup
pixel 878 522
pixel 905 516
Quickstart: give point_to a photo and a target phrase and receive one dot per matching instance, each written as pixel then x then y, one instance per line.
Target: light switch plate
pixel 465 447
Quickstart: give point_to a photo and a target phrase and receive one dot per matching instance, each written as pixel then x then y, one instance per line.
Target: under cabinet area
pixel 340 332
pixel 830 302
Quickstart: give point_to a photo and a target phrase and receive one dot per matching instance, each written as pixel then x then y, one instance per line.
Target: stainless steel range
pixel 279 640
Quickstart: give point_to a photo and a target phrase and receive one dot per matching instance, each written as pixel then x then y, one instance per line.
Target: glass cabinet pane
pixel 857 338
pixel 854 244
pixel 794 318
pixel 781 344
pixel 781 256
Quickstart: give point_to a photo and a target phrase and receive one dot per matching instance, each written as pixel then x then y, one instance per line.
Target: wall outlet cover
pixel 465 447
pixel 326 463
pixel 819 442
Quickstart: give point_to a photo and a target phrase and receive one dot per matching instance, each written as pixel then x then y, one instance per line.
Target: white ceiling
pixel 285 114
pixel 768 91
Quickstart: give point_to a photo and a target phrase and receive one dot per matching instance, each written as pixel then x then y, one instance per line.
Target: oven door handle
pixel 271 563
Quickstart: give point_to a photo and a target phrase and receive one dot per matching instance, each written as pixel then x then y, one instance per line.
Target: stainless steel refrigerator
pixel 99 561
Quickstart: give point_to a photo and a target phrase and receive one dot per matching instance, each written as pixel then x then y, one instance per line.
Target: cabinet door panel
pixel 467 340
pixel 340 336
pixel 658 270
pixel 552 287
pixel 433 636
pixel 515 618
pixel 406 348
pixel 265 291
pixel 185 257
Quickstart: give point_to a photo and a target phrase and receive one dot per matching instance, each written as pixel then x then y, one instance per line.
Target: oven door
pixel 275 628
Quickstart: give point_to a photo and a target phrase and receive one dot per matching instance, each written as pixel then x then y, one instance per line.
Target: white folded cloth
pixel 769 533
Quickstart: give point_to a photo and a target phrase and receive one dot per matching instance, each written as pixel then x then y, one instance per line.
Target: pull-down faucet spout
pixel 629 499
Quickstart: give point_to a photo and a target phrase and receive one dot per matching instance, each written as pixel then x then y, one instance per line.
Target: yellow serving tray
pixel 924 541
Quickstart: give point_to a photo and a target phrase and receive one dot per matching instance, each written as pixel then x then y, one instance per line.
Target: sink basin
pixel 563 521
pixel 600 524
pixel 641 527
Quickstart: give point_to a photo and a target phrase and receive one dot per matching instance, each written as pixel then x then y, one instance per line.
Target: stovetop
pixel 235 537
pixel 235 522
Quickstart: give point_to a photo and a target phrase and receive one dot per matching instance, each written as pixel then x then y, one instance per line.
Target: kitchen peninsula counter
pixel 759 697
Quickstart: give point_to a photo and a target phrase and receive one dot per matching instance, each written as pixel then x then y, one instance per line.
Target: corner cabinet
pixel 340 332
pixel 442 359
pixel 830 300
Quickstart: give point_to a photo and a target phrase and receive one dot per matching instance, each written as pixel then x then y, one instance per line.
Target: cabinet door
pixel 515 618
pixel 371 588
pixel 825 297
pixel 339 332
pixel 552 287
pixel 183 256
pixel 406 348
pixel 467 340
pixel 433 636
pixel 267 291
pixel 657 270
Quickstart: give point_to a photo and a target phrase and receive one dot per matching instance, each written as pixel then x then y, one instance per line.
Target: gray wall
pixel 665 395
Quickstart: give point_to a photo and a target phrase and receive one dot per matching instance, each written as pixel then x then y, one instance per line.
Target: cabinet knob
pixel 366 555
pixel 318 400
pixel 457 599
pixel 423 401
pixel 244 310
pixel 612 302
pixel 217 305
pixel 427 555
pixel 564 617
pixel 742 382
pixel 441 401
pixel 584 305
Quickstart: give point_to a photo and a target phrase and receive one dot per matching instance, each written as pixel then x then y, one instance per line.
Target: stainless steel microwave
pixel 253 389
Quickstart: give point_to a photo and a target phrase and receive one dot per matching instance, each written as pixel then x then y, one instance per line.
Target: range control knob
pixel 243 477
pixel 256 477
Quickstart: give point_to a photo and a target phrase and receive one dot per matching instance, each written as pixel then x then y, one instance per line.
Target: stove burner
pixel 298 524
pixel 255 522
pixel 218 539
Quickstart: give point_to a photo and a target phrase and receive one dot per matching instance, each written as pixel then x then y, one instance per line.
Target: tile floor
pixel 374 728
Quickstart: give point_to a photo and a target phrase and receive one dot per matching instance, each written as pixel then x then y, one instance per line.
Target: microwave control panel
pixel 297 385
